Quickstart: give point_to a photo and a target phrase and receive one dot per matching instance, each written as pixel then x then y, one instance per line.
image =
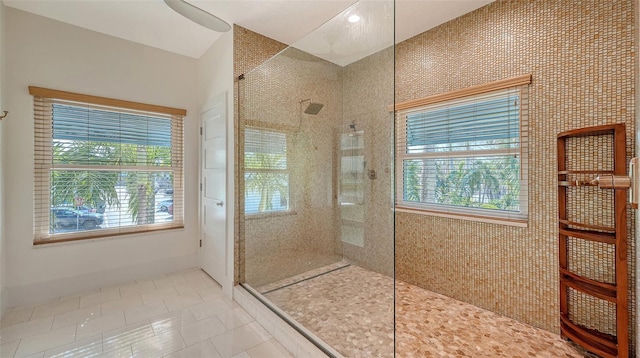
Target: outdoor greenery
pixel 265 174
pixel 489 183
pixel 98 187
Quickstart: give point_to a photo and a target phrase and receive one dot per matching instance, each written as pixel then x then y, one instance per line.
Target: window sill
pixel 469 217
pixel 98 236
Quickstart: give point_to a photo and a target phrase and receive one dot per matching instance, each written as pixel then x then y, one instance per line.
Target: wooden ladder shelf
pixel 616 293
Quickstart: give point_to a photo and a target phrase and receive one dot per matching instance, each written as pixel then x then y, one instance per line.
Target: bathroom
pixel 332 238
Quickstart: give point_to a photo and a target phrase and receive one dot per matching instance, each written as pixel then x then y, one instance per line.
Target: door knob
pixel 220 203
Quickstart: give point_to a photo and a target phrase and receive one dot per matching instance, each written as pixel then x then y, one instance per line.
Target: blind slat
pixel 115 160
pixel 465 155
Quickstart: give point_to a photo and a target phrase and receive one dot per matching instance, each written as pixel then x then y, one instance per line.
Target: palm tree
pixel 92 187
pixel 482 180
pixel 266 183
pixel 412 182
pixel 98 188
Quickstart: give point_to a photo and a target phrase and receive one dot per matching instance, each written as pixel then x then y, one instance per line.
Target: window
pixel 465 156
pixel 104 167
pixel 266 173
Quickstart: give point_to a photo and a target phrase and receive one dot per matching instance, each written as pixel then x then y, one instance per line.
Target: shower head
pixel 313 107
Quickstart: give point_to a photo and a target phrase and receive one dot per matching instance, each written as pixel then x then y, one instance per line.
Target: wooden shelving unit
pixel 615 293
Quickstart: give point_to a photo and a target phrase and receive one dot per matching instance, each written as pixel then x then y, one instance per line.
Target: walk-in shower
pixel 310 214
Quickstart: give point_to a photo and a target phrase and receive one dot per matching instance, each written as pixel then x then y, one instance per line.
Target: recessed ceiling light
pixel 354 18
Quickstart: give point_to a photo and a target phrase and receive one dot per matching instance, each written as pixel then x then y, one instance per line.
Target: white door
pixel 213 190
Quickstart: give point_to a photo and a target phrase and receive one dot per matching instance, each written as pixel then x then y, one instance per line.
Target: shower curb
pixel 290 338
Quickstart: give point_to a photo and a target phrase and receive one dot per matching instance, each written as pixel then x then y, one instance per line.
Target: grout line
pixel 306 279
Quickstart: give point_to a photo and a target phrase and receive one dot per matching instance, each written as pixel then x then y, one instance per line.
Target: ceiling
pixel 153 23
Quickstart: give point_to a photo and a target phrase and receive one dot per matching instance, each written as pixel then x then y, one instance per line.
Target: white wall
pixel 215 76
pixel 47 53
pixel 3 300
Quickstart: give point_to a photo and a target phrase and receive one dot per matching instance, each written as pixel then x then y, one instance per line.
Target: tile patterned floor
pixel 186 315
pixel 352 310
pixel 183 314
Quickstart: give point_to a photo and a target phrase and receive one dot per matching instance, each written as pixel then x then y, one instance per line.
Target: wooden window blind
pixel 465 155
pixel 105 167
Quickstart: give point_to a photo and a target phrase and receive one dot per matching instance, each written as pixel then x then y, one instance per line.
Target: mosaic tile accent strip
pixel 581 55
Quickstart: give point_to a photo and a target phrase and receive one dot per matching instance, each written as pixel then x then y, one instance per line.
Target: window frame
pixel 44 100
pixel 519 84
pixel 290 205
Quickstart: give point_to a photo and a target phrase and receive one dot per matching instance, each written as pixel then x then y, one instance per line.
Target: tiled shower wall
pixel 281 245
pixel 275 247
pixel 581 55
pixel 368 93
pixel 250 49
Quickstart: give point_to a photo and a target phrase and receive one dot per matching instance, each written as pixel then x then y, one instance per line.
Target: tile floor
pixel 351 309
pixel 183 314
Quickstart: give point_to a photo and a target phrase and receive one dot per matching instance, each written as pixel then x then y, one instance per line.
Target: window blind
pixel 473 120
pixel 103 170
pixel 465 156
pixel 266 176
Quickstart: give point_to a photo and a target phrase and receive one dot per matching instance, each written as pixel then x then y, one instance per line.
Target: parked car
pixel 85 209
pixel 70 218
pixel 164 205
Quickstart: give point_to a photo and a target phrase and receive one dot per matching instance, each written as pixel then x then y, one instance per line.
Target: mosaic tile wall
pixel 581 55
pixel 281 245
pixel 276 247
pixel 368 91
pixel 250 49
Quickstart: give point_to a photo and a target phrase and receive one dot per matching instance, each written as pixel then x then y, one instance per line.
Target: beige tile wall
pixel 277 246
pixel 582 58
pixel 281 246
pixel 250 49
pixel 368 91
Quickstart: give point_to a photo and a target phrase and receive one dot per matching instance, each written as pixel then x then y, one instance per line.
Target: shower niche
pixel 352 182
pixel 314 216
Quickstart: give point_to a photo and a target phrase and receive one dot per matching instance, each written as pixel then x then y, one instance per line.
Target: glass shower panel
pixel 288 105
pixel 315 154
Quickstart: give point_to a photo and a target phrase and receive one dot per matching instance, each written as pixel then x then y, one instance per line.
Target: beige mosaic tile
pixel 582 57
pixel 352 310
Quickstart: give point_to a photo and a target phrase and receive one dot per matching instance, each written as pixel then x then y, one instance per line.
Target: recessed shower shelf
pixel 570 233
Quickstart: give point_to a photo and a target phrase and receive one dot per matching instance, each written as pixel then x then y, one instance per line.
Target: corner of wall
pixel 3 293
pixel 215 76
pixel 637 136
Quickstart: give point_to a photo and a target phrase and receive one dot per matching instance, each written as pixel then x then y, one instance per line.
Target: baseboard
pixel 28 294
pixel 287 336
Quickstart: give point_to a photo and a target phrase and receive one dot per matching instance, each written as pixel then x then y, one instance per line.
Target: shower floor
pixel 351 309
